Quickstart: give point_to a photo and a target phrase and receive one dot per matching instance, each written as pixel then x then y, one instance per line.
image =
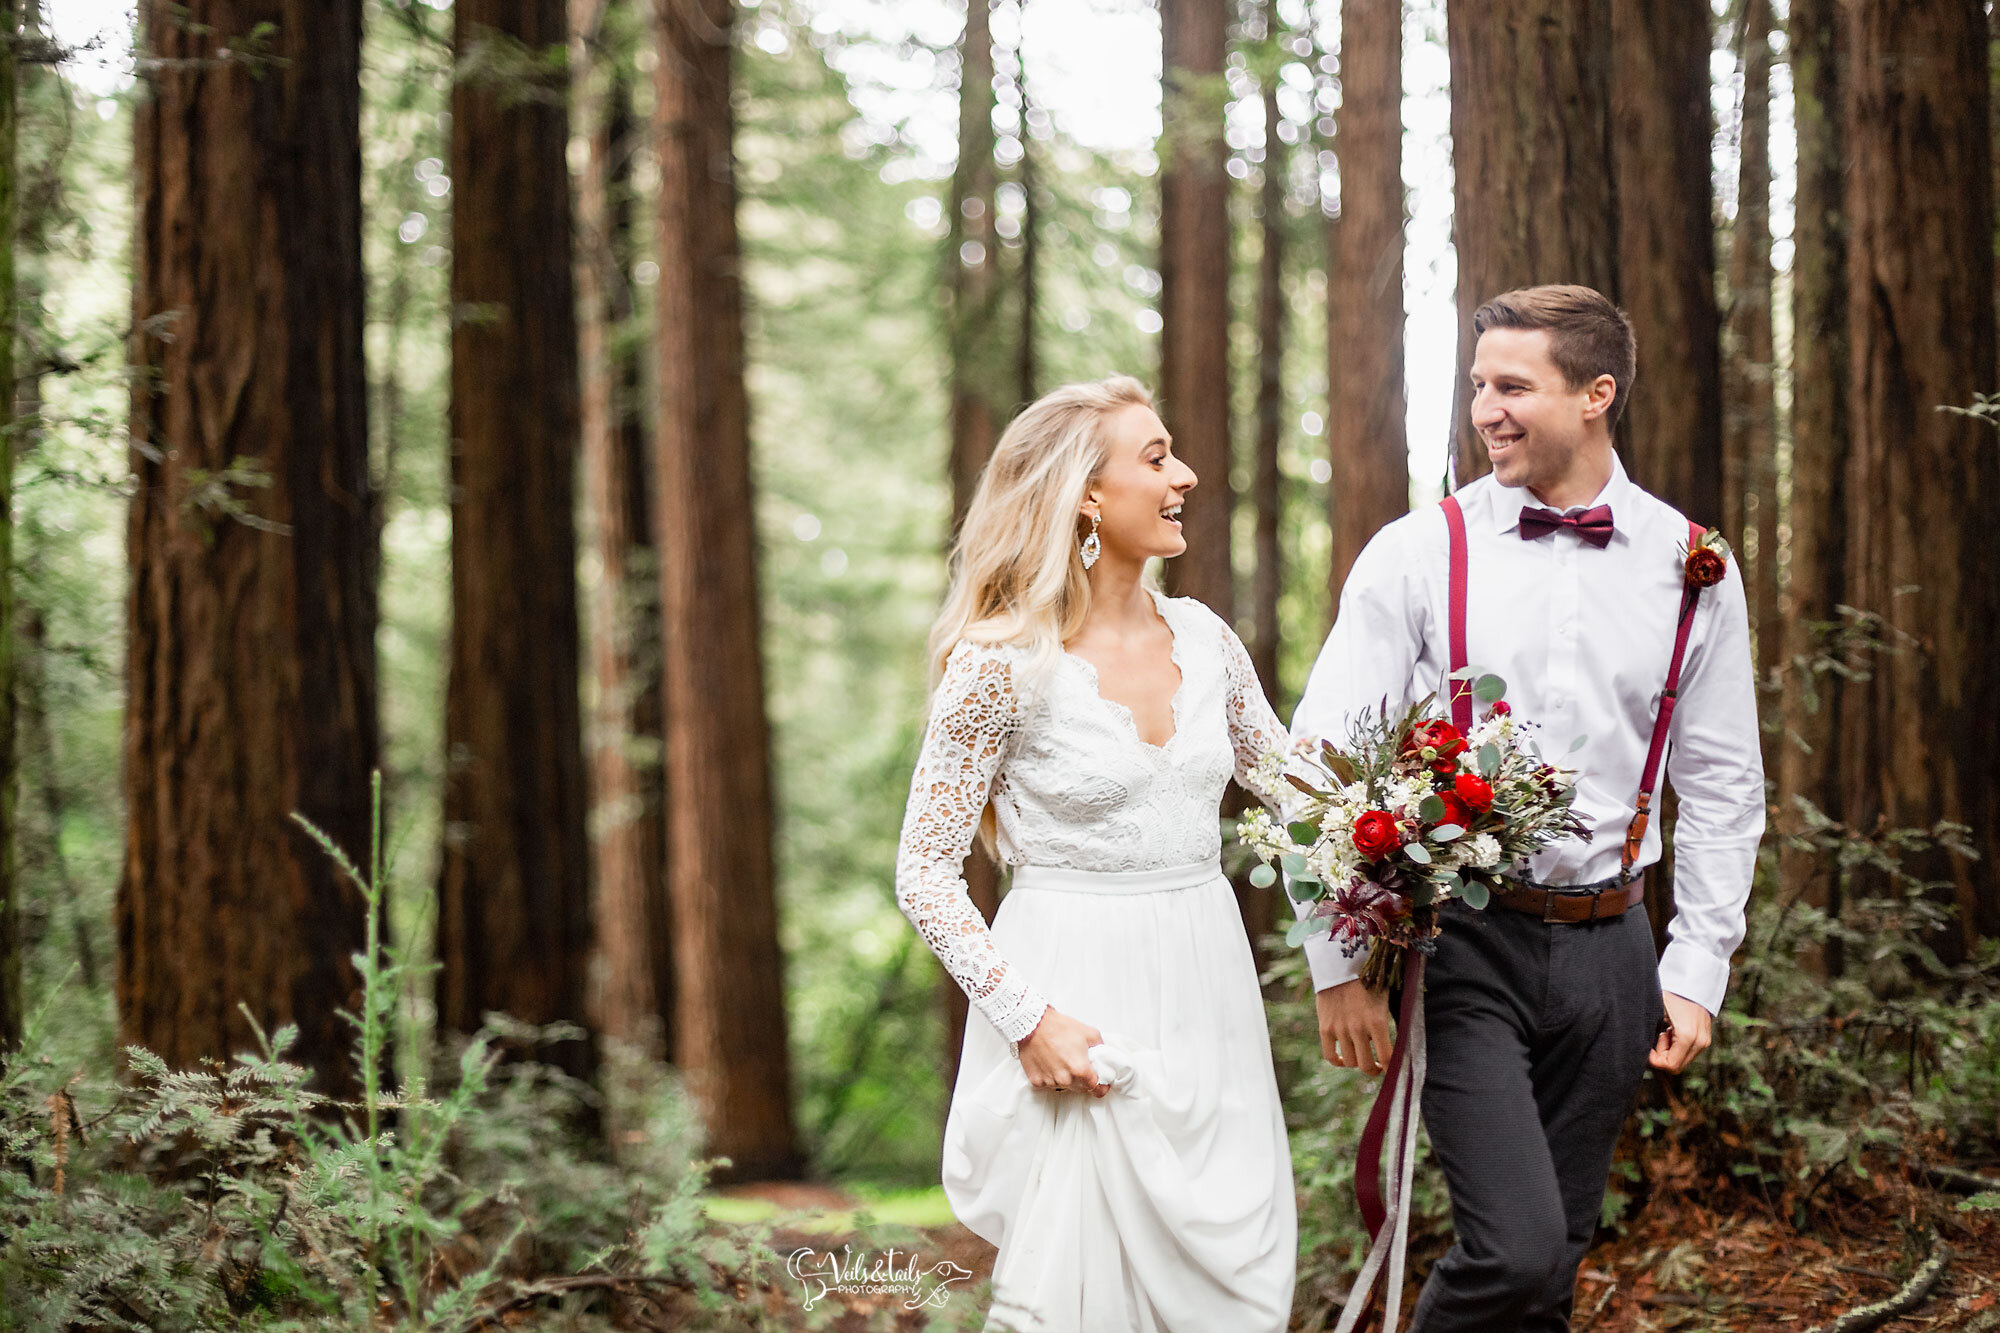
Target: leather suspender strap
pixel 1458 690
pixel 1635 832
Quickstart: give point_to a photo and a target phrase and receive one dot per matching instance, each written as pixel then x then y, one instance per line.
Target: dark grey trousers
pixel 1537 1034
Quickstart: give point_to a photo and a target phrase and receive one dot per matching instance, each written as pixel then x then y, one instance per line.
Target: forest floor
pixel 1681 1267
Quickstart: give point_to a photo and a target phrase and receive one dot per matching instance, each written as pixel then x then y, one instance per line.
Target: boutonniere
pixel 1707 561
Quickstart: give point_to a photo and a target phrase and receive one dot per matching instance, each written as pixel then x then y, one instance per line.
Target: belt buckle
pixel 1549 898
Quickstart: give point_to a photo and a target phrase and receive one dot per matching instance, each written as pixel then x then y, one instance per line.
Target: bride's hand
pixel 1056 1055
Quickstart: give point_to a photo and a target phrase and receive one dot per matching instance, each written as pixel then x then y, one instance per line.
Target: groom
pixel 1544 1009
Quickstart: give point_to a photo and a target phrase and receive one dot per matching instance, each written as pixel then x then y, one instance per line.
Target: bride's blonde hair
pixel 1015 574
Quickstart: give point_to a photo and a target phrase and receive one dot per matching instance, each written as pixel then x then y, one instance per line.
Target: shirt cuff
pixel 1693 973
pixel 1330 964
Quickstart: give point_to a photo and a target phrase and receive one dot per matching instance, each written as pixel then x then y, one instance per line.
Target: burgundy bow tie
pixel 1593 525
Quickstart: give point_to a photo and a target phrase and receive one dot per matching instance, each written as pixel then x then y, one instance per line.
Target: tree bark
pixel 1750 454
pixel 250 672
pixel 514 908
pixel 1532 157
pixel 1194 295
pixel 1366 405
pixel 730 1030
pixel 1919 736
pixel 1268 579
pixel 1808 758
pixel 978 363
pixel 1672 430
pixel 11 1017
pixel 633 982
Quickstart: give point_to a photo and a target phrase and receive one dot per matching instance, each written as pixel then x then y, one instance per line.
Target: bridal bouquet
pixel 1412 812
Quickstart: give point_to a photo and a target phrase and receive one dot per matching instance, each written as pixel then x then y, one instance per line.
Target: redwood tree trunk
pixel 1194 295
pixel 10 889
pixel 1365 399
pixel 1259 907
pixel 1808 758
pixel 634 982
pixel 979 367
pixel 731 1010
pixel 1268 580
pixel 250 672
pixel 1919 736
pixel 514 907
pixel 1672 429
pixel 1531 150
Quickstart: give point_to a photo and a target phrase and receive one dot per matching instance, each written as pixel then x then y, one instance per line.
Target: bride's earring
pixel 1092 548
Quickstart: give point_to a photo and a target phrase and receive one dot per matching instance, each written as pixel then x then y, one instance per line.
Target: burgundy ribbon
pixel 1368 1171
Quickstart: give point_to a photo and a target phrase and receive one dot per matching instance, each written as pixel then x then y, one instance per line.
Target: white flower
pixel 1483 851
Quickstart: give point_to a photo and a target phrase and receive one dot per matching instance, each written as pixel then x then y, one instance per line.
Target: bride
pixel 1115 1129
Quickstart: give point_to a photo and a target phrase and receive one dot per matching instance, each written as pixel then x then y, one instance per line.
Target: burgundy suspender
pixel 1635 832
pixel 1460 691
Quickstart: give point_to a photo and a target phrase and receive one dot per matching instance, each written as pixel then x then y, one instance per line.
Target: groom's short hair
pixel 1588 335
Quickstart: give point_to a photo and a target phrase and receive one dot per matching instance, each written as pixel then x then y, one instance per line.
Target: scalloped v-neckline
pixel 1124 711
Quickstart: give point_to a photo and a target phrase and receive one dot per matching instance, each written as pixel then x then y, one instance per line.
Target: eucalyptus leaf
pixel 1302 889
pixel 1446 832
pixel 1475 894
pixel 1577 744
pixel 1417 852
pixel 1262 876
pixel 1489 689
pixel 1296 935
pixel 1489 760
pixel 1432 808
pixel 1303 832
pixel 1294 864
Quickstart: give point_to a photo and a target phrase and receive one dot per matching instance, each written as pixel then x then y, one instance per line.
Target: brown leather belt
pixel 1571 908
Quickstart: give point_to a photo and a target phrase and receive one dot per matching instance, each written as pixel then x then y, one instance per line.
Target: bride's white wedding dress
pixel 1166 1205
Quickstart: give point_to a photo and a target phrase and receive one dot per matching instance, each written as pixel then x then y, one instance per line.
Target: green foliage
pixel 1817 1076
pixel 236 1196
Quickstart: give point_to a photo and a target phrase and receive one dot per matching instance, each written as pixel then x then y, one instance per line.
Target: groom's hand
pixel 1354 1026
pixel 1686 1035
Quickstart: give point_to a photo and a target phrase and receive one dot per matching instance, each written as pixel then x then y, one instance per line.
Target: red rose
pixel 1501 708
pixel 1376 834
pixel 1706 567
pixel 1475 791
pixel 1455 811
pixel 1444 768
pixel 1435 734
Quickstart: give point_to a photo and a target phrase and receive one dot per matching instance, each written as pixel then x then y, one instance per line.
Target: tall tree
pixel 11 34
pixel 1531 152
pixel 251 614
pixel 978 369
pixel 730 1029
pixel 633 991
pixel 1672 430
pixel 1194 294
pixel 514 907
pixel 1808 758
pixel 1750 453
pixel 1918 737
pixel 1265 491
pixel 1365 394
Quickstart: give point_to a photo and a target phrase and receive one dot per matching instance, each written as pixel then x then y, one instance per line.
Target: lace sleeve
pixel 1260 742
pixel 974 713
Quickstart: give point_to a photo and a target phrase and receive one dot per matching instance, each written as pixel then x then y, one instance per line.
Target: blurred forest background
pixel 562 408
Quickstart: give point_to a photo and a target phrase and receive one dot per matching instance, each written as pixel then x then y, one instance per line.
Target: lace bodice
pixel 1072 785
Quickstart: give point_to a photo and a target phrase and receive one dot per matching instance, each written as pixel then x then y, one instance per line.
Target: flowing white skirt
pixel 1166 1206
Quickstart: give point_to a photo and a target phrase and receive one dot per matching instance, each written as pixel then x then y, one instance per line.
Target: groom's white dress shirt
pixel 1582 637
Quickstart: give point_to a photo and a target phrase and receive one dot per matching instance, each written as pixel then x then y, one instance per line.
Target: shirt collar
pixel 1509 501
